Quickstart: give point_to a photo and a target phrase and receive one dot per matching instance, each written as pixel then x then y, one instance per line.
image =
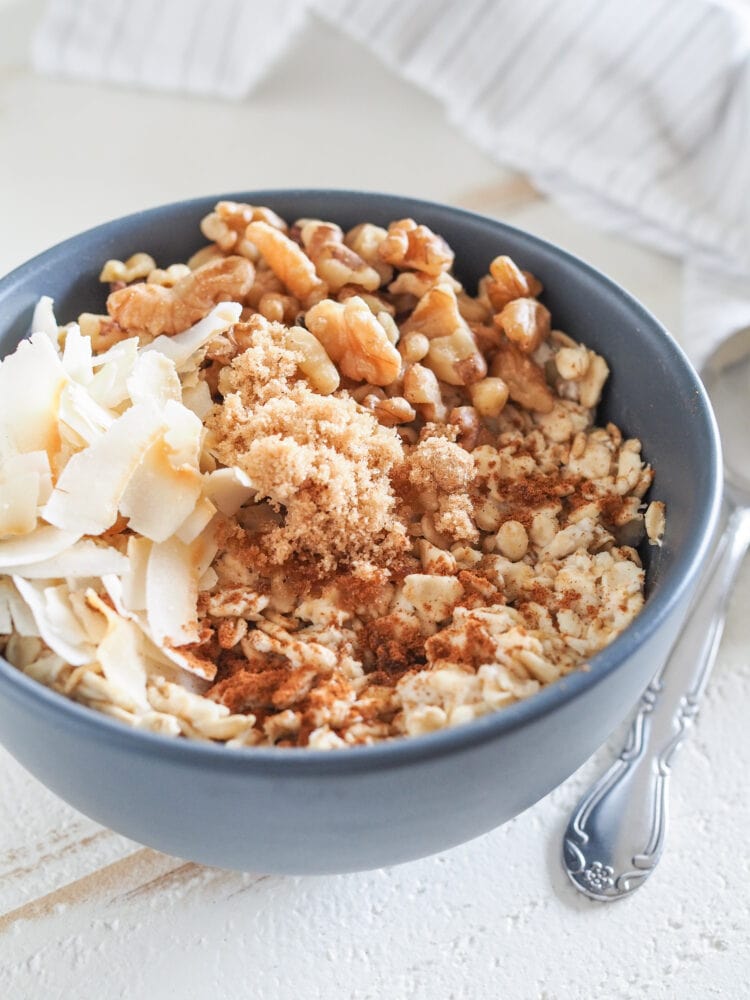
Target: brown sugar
pixel 323 459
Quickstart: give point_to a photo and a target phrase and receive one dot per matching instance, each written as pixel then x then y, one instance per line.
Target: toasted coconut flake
pixel 121 655
pixel 19 499
pixel 82 414
pixel 18 505
pixel 93 624
pixel 154 377
pixel 25 483
pixel 109 386
pixel 133 593
pixel 196 521
pixel 197 398
pixel 20 488
pixel 228 489
pixel 182 435
pixel 77 355
pixel 6 596
pixel 44 543
pixel 43 320
pixel 172 593
pixel 191 662
pixel 183 346
pixel 93 482
pixel 166 485
pixel 38 462
pixel 24 622
pixel 31 381
pixel 85 558
pixel 56 621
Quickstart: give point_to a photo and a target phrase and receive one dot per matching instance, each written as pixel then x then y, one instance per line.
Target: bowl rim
pixel 400 751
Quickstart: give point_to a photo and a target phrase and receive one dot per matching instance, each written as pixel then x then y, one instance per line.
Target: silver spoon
pixel 615 836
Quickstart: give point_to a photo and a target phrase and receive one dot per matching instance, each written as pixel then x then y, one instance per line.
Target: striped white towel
pixel 633 113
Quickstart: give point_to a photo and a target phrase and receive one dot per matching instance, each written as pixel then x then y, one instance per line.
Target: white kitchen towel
pixel 217 48
pixel 633 113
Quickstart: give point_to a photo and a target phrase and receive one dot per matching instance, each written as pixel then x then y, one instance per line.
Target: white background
pixel 85 913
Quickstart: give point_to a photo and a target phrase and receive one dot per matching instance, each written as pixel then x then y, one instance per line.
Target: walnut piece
pixel 336 263
pixel 155 309
pixel 288 261
pixel 413 247
pixel 524 378
pixel 355 340
pixel 227 224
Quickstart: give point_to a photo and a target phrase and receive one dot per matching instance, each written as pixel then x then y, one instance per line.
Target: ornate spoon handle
pixel 615 836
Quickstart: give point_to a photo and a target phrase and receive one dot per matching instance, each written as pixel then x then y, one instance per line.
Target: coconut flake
pixel 44 543
pixel 183 435
pixel 172 593
pixel 165 487
pixel 85 558
pixel 24 623
pixel 228 489
pixel 91 621
pixel 121 655
pixel 191 662
pixel 197 398
pixel 93 482
pixel 154 377
pixel 25 482
pixel 83 415
pixel 163 657
pixel 18 505
pixel 77 356
pixel 6 594
pixel 31 380
pixel 183 346
pixel 159 497
pixel 133 580
pixel 196 521
pixel 109 386
pixel 43 320
pixel 56 621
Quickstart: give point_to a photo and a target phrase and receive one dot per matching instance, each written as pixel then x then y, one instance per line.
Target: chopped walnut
pixel 227 226
pixel 414 247
pixel 525 322
pixel 154 309
pixel 135 268
pixel 336 263
pixel 523 377
pixel 288 262
pixel 355 340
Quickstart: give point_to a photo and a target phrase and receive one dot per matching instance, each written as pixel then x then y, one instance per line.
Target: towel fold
pixel 634 114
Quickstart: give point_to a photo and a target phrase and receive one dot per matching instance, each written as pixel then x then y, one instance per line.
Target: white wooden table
pixel 85 913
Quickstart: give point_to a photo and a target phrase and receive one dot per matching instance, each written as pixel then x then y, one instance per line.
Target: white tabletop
pixel 85 913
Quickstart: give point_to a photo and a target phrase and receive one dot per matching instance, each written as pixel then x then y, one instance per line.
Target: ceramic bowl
pixel 304 811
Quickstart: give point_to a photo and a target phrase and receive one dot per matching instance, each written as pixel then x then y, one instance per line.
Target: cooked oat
pixel 306 490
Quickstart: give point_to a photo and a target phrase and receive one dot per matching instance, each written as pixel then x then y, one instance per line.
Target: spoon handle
pixel 615 836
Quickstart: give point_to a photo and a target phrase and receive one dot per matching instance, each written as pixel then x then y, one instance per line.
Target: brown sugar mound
pixel 322 460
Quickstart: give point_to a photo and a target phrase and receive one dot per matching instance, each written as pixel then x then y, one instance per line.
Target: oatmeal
pixel 305 489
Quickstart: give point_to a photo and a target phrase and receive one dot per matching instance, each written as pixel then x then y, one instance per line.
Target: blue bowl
pixel 300 811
